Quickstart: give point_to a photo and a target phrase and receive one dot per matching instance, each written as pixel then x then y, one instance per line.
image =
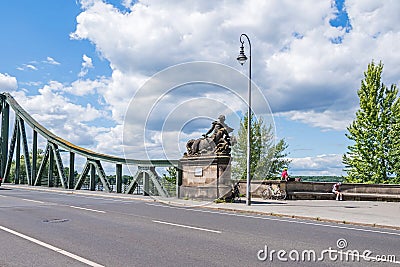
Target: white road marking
pixel 48 246
pixel 80 208
pixel 279 220
pixel 31 200
pixel 189 227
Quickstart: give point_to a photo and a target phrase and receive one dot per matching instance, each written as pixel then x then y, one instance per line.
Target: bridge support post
pixel 50 182
pixel 17 156
pixel 92 181
pixel 118 178
pixel 71 176
pixel 34 157
pixel 178 181
pixel 5 116
pixel 146 183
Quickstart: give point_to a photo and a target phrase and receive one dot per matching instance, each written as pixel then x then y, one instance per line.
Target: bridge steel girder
pixel 38 180
pixel 118 178
pixel 93 166
pixel 92 178
pixel 147 173
pixel 34 157
pixel 81 178
pixel 102 175
pixel 59 165
pixel 132 186
pixel 5 117
pixel 156 181
pixel 94 159
pixel 10 153
pixel 17 156
pixel 22 133
pixel 50 177
pixel 71 176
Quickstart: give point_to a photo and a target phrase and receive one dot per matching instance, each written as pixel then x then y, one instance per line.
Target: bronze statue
pixel 219 143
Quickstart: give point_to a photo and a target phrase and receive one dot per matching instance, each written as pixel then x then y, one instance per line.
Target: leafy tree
pixel 171 176
pixel 375 154
pixel 279 159
pixel 394 136
pixel 266 159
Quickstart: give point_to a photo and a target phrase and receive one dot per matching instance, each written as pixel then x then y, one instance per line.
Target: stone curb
pixel 310 218
pixel 373 225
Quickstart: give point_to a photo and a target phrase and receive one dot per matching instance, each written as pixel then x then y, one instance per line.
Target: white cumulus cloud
pixel 86 65
pixel 7 82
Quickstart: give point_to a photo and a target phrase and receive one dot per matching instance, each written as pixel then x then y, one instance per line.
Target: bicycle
pixel 271 193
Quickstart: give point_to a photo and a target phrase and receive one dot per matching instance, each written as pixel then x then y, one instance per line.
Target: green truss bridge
pixel 50 170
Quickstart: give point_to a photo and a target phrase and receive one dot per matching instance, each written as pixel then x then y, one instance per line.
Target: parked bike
pixel 273 193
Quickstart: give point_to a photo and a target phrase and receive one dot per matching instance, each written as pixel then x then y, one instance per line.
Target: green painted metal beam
pixel 50 176
pixel 17 157
pixel 92 181
pixel 5 116
pixel 8 99
pixel 118 178
pixel 82 176
pixel 38 179
pixel 71 176
pixel 10 154
pixel 24 140
pixel 34 157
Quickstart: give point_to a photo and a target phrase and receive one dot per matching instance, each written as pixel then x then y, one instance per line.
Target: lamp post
pixel 242 59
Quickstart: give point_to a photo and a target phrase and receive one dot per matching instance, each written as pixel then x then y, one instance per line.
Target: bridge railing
pixel 52 160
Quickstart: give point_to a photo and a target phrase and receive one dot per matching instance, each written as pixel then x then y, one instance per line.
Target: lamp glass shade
pixel 242 58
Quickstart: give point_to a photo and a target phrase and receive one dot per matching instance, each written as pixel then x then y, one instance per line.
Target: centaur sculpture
pixel 219 143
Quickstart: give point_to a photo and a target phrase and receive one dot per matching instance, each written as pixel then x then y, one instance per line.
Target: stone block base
pixel 205 177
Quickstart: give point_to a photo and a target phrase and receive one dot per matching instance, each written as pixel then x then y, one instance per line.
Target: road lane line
pixel 189 227
pixel 80 208
pixel 35 201
pixel 279 220
pixel 48 246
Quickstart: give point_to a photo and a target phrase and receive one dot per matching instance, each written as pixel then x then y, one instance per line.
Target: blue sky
pixel 76 65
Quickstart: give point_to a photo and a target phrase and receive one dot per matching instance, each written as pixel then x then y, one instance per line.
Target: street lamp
pixel 242 59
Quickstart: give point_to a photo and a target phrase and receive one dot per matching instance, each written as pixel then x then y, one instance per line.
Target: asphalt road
pixel 54 229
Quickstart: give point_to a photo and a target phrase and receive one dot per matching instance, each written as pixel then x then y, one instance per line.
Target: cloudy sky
pixel 79 66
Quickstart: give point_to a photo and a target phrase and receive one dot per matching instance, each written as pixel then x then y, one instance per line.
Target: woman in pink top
pixel 285 175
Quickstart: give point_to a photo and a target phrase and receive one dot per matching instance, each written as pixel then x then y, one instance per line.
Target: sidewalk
pixel 368 213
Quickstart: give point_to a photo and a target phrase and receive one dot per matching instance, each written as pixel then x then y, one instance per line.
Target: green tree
pixel 279 160
pixel 266 159
pixel 394 136
pixel 171 176
pixel 373 157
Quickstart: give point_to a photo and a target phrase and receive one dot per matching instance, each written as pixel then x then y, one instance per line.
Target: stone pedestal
pixel 205 177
